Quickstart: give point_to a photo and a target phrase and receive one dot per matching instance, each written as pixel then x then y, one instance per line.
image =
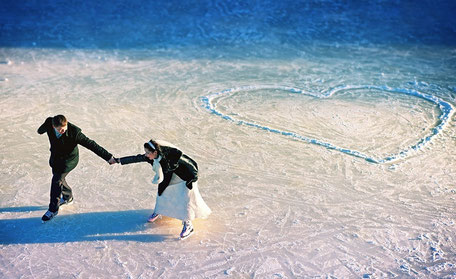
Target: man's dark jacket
pixel 172 161
pixel 64 150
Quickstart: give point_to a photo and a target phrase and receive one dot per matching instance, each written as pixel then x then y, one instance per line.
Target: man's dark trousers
pixel 59 188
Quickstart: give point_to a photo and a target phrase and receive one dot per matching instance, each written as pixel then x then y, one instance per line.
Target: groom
pixel 64 138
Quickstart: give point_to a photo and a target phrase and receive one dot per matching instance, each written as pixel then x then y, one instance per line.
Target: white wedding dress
pixel 177 201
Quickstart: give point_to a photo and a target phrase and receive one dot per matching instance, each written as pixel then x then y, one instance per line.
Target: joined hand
pixel 113 161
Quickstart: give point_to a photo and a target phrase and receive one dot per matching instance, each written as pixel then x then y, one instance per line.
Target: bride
pixel 176 175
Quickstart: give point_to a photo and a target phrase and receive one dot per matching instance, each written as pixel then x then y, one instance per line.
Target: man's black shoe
pixel 48 216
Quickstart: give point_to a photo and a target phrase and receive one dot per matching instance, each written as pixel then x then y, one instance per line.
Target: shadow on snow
pixel 23 209
pixel 94 226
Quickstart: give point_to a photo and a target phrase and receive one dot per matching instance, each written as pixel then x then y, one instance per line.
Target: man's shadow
pixel 94 226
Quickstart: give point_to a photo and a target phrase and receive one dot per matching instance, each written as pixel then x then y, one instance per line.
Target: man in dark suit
pixel 64 138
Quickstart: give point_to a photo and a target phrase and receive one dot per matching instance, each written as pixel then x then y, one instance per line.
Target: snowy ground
pixel 281 208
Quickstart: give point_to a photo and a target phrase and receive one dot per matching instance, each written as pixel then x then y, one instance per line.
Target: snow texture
pixel 281 208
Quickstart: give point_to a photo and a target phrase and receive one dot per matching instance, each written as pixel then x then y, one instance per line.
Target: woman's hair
pixel 59 121
pixel 152 146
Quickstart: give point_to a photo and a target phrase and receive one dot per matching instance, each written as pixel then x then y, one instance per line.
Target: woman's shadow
pixel 94 226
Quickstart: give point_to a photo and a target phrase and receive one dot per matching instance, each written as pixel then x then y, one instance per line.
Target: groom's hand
pixel 112 161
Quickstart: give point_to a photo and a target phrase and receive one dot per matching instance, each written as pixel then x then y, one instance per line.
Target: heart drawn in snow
pixel 447 110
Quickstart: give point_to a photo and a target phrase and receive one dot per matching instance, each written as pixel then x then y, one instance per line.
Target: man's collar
pixel 57 134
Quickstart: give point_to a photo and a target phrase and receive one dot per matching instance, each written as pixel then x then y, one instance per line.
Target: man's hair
pixel 59 121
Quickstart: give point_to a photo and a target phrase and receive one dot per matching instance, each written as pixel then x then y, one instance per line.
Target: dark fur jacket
pixel 172 161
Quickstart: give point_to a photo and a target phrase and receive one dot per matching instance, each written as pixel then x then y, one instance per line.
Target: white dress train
pixel 177 201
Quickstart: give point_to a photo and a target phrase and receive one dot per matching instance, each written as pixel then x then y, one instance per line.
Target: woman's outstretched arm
pixel 133 159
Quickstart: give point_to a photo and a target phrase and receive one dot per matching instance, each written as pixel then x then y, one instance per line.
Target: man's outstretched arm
pixel 94 147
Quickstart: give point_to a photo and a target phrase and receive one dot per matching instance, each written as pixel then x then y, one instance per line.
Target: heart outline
pixel 447 110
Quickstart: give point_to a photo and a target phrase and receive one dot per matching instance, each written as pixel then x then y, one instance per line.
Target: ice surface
pixel 282 208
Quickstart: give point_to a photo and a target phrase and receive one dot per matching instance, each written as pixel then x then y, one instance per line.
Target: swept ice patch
pixel 447 110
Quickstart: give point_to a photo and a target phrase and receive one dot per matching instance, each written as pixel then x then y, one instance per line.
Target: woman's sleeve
pixel 173 158
pixel 133 159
